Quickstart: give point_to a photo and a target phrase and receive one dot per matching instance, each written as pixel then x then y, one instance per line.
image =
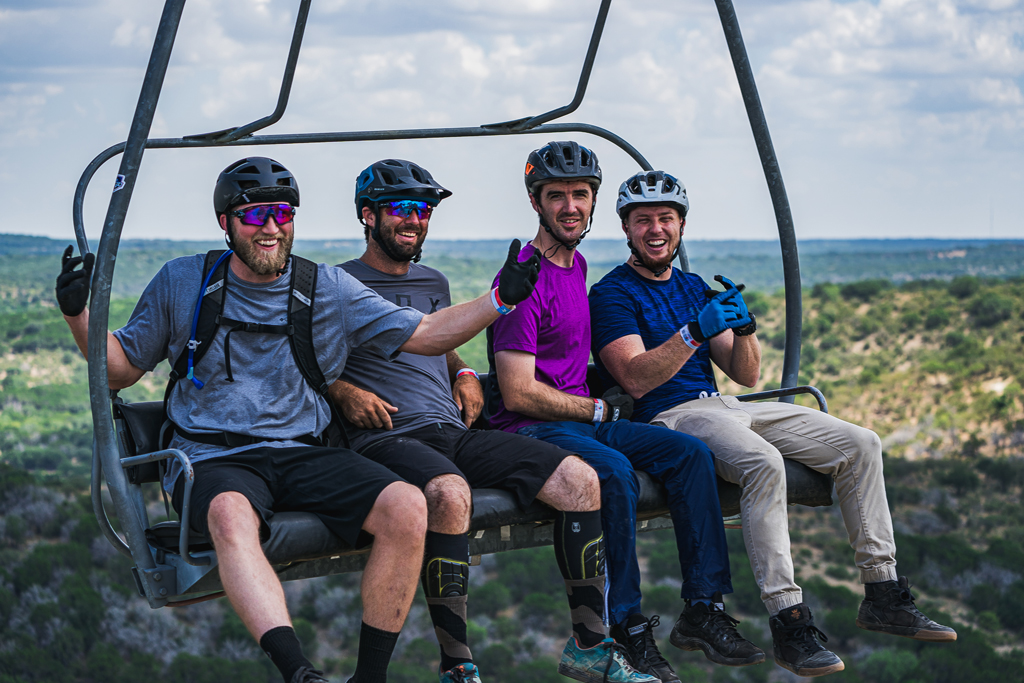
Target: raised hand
pixel 725 310
pixel 73 285
pixel 517 278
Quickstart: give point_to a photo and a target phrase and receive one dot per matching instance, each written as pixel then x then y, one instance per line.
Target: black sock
pixel 284 650
pixel 375 648
pixel 579 551
pixel 446 586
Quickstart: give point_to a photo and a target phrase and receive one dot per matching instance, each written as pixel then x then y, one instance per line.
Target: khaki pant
pixel 749 441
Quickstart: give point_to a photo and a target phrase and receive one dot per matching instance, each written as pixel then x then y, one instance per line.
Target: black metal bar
pixel 791 391
pixel 99 310
pixel 286 82
pixel 355 136
pixel 783 215
pixel 581 86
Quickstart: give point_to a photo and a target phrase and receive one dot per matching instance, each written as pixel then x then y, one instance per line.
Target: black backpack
pixel 299 328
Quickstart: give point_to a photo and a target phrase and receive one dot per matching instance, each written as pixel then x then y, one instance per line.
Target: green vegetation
pixel 935 366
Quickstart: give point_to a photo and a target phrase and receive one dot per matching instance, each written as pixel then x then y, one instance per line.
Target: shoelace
pixel 804 635
pixel 622 659
pixel 307 675
pixel 722 623
pixel 459 674
pixel 644 642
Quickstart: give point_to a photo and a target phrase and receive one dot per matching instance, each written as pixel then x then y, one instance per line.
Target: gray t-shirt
pixel 417 385
pixel 269 397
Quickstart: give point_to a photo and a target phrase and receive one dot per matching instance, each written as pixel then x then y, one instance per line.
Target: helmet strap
pixel 568 245
pixel 638 261
pixel 375 234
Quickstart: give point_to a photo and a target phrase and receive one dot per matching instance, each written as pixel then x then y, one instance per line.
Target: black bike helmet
pixel 254 179
pixel 391 179
pixel 563 160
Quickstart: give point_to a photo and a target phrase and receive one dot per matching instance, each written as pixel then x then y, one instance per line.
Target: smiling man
pixel 657 335
pixel 250 410
pixel 540 352
pixel 414 415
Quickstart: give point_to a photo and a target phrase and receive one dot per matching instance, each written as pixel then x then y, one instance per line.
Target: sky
pixel 890 118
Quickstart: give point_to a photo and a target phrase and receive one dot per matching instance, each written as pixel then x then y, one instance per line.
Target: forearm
pixel 450 328
pixel 120 371
pixel 455 363
pixel 540 401
pixel 649 370
pixel 746 360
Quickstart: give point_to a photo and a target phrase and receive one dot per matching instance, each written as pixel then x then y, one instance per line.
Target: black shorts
pixel 337 485
pixel 484 458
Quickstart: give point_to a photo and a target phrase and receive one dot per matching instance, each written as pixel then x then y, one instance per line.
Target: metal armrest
pixel 186 466
pixel 790 391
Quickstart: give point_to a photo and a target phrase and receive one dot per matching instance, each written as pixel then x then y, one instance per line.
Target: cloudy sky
pixel 892 118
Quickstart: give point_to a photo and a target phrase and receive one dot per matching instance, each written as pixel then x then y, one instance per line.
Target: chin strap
pixel 559 243
pixel 639 262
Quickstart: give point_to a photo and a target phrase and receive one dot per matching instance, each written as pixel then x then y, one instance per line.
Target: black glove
pixel 517 279
pixel 620 404
pixel 73 285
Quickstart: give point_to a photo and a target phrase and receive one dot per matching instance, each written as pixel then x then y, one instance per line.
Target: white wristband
pixel 688 339
pixel 598 411
pixel 467 371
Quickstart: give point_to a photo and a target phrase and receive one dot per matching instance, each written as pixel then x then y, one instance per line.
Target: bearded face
pixel 264 249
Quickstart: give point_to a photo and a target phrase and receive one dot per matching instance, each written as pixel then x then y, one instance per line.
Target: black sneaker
pixel 889 607
pixel 307 675
pixel 638 638
pixel 711 630
pixel 796 647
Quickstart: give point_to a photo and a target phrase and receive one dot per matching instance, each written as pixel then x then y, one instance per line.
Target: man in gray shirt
pixel 413 416
pixel 246 416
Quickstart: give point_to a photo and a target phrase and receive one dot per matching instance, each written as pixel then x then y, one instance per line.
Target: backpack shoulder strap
pixel 300 318
pixel 210 310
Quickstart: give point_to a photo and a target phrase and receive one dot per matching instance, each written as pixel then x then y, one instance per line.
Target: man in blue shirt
pixel 656 337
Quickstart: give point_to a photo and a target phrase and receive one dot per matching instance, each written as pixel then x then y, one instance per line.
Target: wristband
pixel 687 336
pixel 467 371
pixel 499 306
pixel 598 411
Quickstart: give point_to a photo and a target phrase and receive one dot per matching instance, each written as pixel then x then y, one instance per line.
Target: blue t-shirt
pixel 625 303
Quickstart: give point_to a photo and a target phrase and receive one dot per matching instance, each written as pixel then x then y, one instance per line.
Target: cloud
pixel 900 99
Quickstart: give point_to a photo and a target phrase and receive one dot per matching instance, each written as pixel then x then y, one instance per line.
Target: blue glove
pixel 725 310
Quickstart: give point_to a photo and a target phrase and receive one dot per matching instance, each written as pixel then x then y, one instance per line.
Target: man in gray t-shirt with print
pixel 413 416
pixel 248 419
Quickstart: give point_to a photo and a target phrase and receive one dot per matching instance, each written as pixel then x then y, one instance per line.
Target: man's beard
pixel 261 262
pixel 404 252
pixel 650 263
pixel 560 234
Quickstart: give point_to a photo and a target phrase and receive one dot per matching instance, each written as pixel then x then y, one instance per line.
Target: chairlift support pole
pixel 772 173
pixel 106 456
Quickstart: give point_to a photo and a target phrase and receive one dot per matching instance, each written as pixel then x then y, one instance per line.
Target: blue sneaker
pixel 604 663
pixel 463 673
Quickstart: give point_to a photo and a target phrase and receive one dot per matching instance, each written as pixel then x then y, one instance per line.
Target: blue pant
pixel 685 466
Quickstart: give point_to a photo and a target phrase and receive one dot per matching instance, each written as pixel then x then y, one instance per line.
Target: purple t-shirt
pixel 554 326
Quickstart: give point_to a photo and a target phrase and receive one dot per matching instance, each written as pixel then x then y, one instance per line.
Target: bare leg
pixel 398 522
pixel 572 487
pixel 249 581
pixel 449 502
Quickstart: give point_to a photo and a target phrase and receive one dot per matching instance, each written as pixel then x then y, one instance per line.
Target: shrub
pixel 937 317
pixel 990 309
pixel 964 286
pixel 865 290
pixel 490 598
pixel 1010 609
pixel 890 666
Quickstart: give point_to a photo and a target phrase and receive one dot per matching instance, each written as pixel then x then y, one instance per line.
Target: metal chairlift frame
pixel 106 457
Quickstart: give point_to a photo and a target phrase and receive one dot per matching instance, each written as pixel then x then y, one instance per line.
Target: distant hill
pixel 30 264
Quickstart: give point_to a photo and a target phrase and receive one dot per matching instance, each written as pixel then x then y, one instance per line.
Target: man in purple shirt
pixel 540 353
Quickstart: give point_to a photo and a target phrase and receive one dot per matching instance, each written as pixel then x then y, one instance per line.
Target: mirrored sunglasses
pixel 406 207
pixel 258 215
